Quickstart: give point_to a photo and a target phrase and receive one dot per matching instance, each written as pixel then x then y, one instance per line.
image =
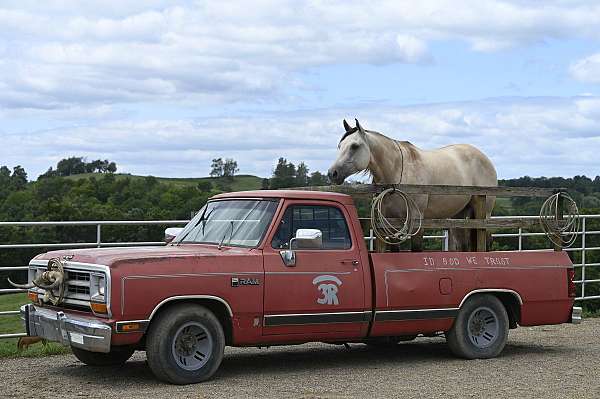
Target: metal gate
pixel 518 238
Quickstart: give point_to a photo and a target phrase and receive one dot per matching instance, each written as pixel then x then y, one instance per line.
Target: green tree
pixel 284 174
pixel 318 179
pixel 49 173
pixel 302 178
pixel 70 166
pixel 18 180
pixel 216 168
pixel 78 165
pixel 5 186
pixel 230 168
pixel 265 184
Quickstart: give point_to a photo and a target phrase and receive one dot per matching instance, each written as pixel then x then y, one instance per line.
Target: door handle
pixel 352 262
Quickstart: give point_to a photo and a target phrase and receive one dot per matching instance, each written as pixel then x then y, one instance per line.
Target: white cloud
pixel 536 136
pixel 59 53
pixel 587 69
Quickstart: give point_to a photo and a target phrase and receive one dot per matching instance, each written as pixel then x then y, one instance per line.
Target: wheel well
pixel 512 306
pixel 511 303
pixel 219 309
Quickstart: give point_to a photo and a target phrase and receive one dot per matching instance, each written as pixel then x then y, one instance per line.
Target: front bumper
pixel 81 332
pixel 576 315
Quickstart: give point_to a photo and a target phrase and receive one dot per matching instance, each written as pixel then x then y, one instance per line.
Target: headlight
pixel 98 294
pixel 101 285
pixel 98 288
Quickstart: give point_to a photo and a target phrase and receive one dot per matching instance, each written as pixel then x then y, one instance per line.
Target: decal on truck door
pixel 328 286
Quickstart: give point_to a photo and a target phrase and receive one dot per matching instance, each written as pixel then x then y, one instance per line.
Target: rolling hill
pixel 239 183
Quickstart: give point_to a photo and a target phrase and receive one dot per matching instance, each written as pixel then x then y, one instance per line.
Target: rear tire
pixel 185 345
pixel 481 329
pixel 116 357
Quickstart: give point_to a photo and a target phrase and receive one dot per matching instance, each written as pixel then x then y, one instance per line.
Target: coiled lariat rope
pixel 388 232
pixel 560 227
pixel 56 279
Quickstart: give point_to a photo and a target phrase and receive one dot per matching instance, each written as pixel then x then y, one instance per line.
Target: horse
pixel 390 161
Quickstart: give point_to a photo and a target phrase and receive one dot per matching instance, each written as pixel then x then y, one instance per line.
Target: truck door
pixel 324 291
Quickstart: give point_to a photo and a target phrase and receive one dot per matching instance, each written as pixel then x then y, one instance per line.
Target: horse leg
pixel 467 238
pixel 416 242
pixel 459 240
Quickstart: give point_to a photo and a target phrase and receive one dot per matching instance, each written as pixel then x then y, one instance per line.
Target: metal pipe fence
pixel 98 243
pixel 519 235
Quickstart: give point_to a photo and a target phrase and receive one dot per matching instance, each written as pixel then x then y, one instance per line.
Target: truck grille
pixel 80 276
pixel 76 289
pixel 78 285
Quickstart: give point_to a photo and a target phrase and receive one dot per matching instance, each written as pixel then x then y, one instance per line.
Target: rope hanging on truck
pixel 388 232
pixel 561 229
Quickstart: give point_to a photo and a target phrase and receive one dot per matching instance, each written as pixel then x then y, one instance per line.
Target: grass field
pixel 13 324
pixel 239 183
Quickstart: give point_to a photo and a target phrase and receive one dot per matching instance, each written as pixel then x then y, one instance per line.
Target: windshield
pixel 240 223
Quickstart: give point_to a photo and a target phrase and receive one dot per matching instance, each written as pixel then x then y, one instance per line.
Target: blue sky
pixel 163 87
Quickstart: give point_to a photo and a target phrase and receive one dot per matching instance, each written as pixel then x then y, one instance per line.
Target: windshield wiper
pixel 202 219
pixel 223 239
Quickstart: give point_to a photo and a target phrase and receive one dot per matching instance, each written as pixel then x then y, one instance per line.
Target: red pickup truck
pixel 263 268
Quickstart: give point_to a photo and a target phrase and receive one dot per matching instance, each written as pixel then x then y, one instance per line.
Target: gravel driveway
pixel 542 362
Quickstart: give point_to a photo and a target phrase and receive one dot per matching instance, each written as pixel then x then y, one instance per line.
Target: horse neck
pixel 386 162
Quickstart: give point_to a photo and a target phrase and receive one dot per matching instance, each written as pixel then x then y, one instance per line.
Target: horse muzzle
pixel 335 176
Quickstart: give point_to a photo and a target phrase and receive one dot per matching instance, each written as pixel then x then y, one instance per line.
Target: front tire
pixel 116 357
pixel 185 345
pixel 481 329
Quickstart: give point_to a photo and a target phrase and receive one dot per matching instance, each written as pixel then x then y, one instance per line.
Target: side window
pixel 330 220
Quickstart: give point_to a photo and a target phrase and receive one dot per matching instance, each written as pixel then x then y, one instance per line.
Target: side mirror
pixel 305 239
pixel 171 233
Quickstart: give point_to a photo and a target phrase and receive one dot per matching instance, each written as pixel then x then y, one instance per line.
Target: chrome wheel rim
pixel 192 346
pixel 483 327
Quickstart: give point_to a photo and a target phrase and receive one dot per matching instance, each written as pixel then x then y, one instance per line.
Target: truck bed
pixel 423 291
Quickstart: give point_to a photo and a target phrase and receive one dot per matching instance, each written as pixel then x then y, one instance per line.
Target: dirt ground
pixel 538 362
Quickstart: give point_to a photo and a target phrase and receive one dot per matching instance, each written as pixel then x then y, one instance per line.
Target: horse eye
pixel 354 146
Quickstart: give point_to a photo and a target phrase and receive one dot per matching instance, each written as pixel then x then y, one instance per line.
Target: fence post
pixel 445 242
pixel 583 257
pixel 99 235
pixel 416 242
pixel 479 236
pixel 559 218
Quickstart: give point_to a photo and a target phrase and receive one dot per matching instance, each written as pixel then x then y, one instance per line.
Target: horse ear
pixel 347 126
pixel 359 127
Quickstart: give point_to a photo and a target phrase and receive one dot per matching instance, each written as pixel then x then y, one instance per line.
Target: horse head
pixel 353 155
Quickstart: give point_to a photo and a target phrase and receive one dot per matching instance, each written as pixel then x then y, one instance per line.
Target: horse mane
pixel 408 150
pixel 355 129
pixel 348 133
